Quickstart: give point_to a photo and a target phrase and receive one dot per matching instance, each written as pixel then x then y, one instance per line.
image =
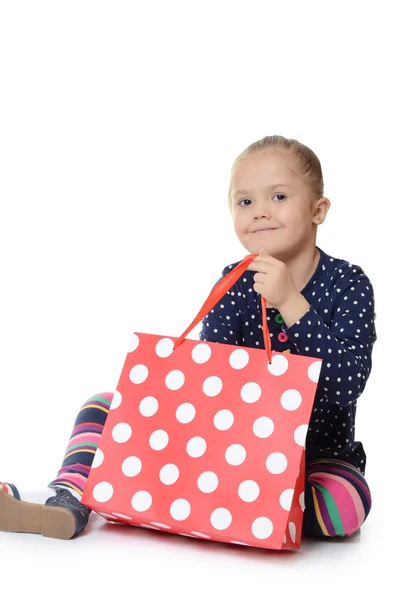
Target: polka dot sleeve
pixel 345 345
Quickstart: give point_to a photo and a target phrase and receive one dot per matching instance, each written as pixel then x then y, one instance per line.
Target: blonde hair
pixel 308 163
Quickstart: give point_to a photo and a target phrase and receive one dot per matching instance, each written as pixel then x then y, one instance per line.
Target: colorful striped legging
pixel 337 497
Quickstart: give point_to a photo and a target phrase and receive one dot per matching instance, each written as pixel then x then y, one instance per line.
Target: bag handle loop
pixel 218 292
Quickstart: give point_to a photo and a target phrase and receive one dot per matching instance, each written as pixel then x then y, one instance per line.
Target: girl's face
pixel 272 207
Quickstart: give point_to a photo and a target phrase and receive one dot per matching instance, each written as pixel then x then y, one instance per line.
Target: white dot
pixel 212 386
pixel 235 455
pixel 150 527
pixel 207 482
pixel 175 380
pixel 223 420
pixel 185 413
pixel 161 525
pixel 263 427
pixel 202 535
pixel 276 463
pixel 239 359
pixel 180 509
pixel 107 516
pixel 159 440
pixel 164 347
pixel 141 501
pixel 314 371
pixel 251 392
pixel 122 516
pixel 103 491
pixel 279 365
pixel 239 543
pixel 131 466
pixel 302 500
pixel 291 400
pixel 221 518
pixel 292 531
pixel 98 459
pixel 134 343
pixel 201 353
pixel 262 528
pixel 286 499
pixel 169 474
pixel 248 490
pixel 121 432
pixel 139 374
pixel 300 434
pixel 196 447
pixel 116 400
pixel 148 406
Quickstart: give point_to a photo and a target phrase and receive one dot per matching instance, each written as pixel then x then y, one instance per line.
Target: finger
pixel 252 267
pixel 257 265
pixel 260 278
pixel 266 257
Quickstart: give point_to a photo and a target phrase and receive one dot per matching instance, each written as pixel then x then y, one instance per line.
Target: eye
pixel 244 200
pixel 283 196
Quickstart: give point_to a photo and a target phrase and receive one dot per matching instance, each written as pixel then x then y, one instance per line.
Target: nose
pixel 261 209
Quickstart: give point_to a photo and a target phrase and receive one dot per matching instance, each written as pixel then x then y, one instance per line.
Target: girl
pixel 317 305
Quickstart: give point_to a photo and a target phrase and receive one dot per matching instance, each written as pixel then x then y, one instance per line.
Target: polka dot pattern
pixel 180 509
pixel 134 343
pixel 263 427
pixel 98 459
pixel 223 420
pixel 201 353
pixel 148 406
pixel 200 434
pixel 141 501
pixel 169 474
pixel 164 347
pixel 221 519
pixel 116 400
pixel 139 374
pixel 239 359
pixel 121 433
pixel 131 466
pixel 185 413
pixel 207 482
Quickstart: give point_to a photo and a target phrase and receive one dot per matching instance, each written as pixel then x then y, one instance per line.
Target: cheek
pixel 285 214
pixel 239 223
pixel 292 217
pixel 236 228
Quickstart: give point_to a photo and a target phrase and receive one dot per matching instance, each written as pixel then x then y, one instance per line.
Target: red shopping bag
pixel 207 440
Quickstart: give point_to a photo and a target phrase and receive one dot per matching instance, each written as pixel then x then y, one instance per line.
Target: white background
pixel 119 122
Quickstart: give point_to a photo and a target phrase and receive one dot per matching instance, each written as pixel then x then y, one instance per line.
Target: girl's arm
pixel 345 345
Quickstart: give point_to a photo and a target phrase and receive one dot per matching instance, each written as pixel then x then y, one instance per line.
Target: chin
pixel 255 248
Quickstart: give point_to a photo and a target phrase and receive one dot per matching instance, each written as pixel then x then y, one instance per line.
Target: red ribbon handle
pixel 218 292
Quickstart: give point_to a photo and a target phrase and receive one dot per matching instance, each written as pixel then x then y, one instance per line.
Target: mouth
pixel 265 229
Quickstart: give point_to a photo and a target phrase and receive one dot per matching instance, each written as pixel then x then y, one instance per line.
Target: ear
pixel 321 208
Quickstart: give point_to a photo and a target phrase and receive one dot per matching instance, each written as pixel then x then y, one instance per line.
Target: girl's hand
pixel 273 280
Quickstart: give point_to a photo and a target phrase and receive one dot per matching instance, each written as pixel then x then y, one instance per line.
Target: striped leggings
pixel 337 497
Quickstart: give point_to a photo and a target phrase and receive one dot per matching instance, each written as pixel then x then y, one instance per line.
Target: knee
pixel 101 401
pixel 340 502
